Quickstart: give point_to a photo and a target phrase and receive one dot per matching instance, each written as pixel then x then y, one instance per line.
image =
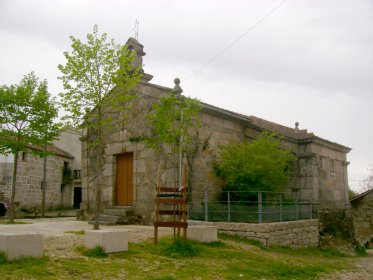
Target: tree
pixel 351 193
pixel 171 120
pixel 367 183
pixel 47 129
pixel 23 108
pixel 98 79
pixel 257 166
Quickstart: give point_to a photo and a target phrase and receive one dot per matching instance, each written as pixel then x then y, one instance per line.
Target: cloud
pixel 310 61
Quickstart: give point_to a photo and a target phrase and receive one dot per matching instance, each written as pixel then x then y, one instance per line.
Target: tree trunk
pixel 44 183
pixel 87 173
pixel 100 163
pixel 96 225
pixel 13 193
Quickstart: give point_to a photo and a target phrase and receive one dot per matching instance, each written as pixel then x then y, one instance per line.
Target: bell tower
pixel 133 45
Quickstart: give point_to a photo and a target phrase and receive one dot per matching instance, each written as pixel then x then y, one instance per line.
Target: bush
pixel 257 166
pixel 336 223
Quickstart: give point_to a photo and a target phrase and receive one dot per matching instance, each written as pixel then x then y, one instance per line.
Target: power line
pixel 262 19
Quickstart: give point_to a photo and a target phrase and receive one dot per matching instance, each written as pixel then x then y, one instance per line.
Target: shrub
pixel 256 166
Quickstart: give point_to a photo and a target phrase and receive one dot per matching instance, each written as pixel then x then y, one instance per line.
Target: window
pixel 332 166
pixel 24 156
pixel 76 174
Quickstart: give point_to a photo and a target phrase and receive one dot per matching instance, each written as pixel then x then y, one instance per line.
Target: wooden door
pixel 124 179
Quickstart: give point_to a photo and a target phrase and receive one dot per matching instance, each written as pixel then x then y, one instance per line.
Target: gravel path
pixel 63 245
pixel 58 242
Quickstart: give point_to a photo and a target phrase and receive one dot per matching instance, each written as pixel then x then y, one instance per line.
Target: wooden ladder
pixel 171 207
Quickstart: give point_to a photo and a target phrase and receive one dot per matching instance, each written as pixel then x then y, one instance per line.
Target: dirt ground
pixel 363 270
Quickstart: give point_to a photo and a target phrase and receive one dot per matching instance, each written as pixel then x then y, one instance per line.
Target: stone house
pixel 362 217
pixel 63 174
pixel 130 167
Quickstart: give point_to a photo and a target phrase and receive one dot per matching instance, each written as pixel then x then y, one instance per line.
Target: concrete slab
pixel 203 233
pixel 111 241
pixel 18 245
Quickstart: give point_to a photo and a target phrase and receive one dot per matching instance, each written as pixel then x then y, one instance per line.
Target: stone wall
pixel 315 181
pixel 29 177
pixel 362 216
pixel 294 234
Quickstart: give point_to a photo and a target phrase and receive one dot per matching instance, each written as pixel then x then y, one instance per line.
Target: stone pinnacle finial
pixel 177 87
pixel 296 126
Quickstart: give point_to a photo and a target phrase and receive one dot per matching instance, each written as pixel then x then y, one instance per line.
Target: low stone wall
pixel 362 213
pixel 295 234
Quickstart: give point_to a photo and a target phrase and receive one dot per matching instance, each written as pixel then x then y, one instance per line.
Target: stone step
pixel 109 218
pixel 131 219
pixel 119 215
pixel 123 207
pixel 118 212
pixel 102 223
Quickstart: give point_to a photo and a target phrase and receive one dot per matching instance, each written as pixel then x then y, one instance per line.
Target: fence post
pixel 297 209
pixel 260 208
pixel 280 207
pixel 206 207
pixel 229 207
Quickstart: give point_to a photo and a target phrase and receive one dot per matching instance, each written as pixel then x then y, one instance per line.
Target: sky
pixel 285 61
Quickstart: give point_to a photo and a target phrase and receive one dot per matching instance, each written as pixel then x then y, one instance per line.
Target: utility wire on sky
pixel 262 19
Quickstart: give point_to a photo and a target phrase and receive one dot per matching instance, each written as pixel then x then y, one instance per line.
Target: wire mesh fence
pixel 247 207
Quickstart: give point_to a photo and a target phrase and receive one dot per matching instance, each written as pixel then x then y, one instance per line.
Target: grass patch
pixel 77 232
pixel 3 258
pixel 96 252
pixel 215 244
pixel 179 249
pixel 241 239
pixel 312 251
pixel 7 222
pixel 230 258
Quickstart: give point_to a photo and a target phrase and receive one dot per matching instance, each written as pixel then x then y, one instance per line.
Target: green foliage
pixel 45 126
pixel 99 83
pixel 136 139
pixel 257 166
pixel 235 259
pixel 361 251
pixel 171 120
pixel 96 252
pixel 336 223
pixel 77 232
pixel 245 240
pixel 351 194
pixel 23 260
pixel 4 222
pixel 3 258
pixel 92 71
pixel 179 248
pixel 27 117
